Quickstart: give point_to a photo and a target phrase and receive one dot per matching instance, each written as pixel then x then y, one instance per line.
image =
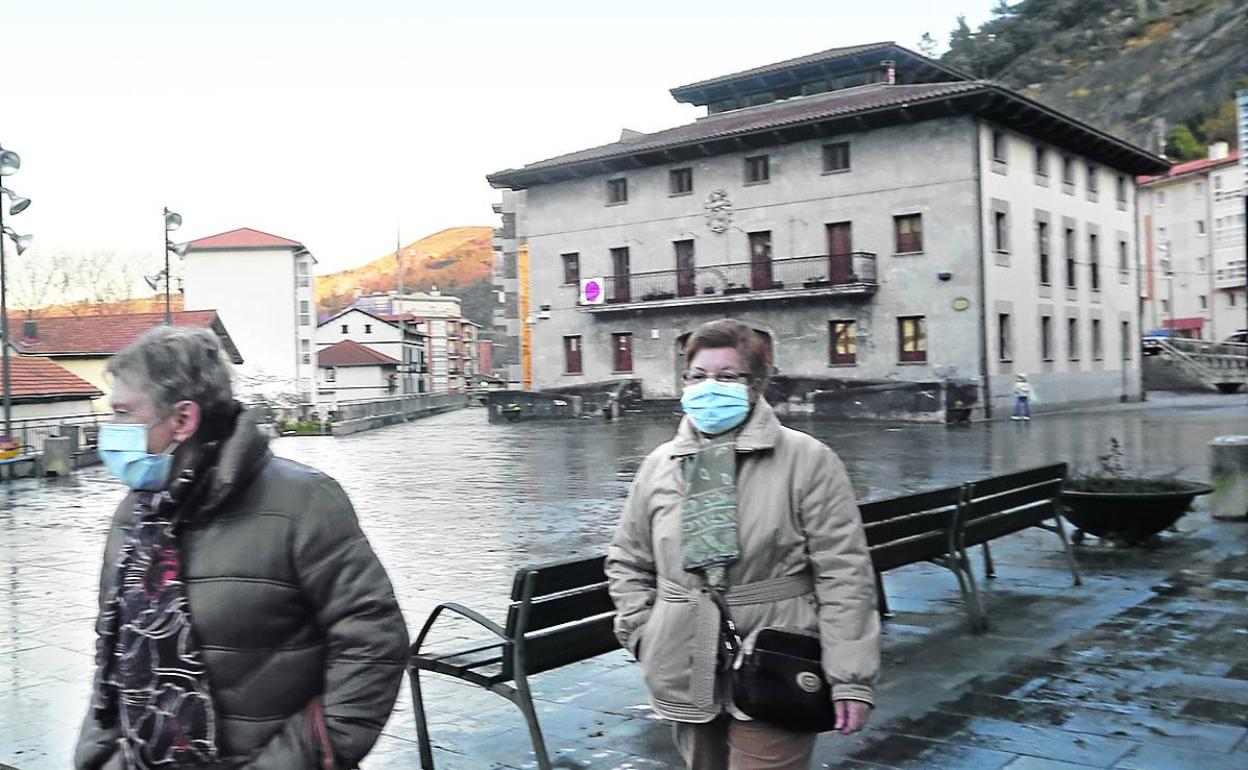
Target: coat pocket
pixel 667 647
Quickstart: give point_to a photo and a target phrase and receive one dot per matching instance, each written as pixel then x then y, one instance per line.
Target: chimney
pixel 629 135
pixel 30 329
pixel 1219 150
pixel 890 72
pixel 1159 136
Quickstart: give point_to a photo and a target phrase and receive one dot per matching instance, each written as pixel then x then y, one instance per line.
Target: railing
pixel 1221 196
pixel 844 273
pixel 1229 276
pixel 1211 362
pixel 357 409
pixel 32 432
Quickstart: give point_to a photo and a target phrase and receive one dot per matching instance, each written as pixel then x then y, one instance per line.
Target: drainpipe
pixel 981 272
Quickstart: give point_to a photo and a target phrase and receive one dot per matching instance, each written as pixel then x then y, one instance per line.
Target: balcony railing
pixel 852 273
pixel 1229 276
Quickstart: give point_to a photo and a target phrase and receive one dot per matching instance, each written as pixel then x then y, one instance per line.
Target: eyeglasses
pixel 694 378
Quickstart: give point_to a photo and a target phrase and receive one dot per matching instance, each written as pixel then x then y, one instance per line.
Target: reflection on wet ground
pixel 1147 660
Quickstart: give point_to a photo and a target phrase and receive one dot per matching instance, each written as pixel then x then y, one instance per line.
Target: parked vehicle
pixel 1240 337
pixel 1150 345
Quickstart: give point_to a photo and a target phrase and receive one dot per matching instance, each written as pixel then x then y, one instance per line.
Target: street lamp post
pixel 173 221
pixel 10 162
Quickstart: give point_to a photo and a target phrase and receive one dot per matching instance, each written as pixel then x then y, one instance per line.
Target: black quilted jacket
pixel 289 603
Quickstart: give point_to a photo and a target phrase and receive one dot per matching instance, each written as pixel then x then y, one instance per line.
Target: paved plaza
pixel 1144 667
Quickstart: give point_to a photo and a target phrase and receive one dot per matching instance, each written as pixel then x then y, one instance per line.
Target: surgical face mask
pixel 123 448
pixel 716 407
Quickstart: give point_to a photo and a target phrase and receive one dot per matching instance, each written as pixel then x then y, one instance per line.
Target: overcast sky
pixel 330 123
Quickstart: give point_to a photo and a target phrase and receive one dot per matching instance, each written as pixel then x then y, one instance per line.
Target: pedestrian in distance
pixel 1023 394
pixel 740 516
pixel 245 621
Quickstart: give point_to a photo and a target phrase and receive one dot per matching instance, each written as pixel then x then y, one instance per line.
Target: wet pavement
pixel 1145 667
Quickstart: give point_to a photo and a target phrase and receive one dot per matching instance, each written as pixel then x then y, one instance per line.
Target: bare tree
pixel 36 280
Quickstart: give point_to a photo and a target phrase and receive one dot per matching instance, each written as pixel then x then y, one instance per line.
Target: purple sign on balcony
pixel 591 291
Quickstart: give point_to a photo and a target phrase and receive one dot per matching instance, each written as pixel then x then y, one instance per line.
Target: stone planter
pixel 1129 511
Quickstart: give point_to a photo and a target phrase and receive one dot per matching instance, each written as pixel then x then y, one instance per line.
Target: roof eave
pixel 984 98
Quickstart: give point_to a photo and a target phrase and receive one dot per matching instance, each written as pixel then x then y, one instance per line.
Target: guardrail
pixel 383 411
pixel 32 432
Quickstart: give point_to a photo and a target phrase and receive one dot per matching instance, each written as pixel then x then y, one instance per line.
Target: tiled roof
pixel 764 121
pixel 243 238
pixel 828 55
pixel 103 335
pixel 43 378
pixel 1191 167
pixel 352 353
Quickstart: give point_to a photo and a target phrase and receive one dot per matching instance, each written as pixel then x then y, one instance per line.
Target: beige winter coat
pixel 804 563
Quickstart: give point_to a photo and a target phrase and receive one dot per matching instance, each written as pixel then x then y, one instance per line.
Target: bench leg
pixel 990 571
pixel 1070 555
pixel 524 700
pixel 422 727
pixel 961 567
pixel 881 599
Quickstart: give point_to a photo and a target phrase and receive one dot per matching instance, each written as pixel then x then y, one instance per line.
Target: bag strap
pixel 729 637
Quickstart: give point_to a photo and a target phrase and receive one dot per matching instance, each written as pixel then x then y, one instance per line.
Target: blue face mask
pixel 123 448
pixel 716 407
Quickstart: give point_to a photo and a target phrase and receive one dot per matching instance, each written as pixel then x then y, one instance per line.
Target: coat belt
pixel 707 628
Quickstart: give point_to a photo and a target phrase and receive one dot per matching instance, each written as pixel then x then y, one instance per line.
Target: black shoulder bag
pixel 777 674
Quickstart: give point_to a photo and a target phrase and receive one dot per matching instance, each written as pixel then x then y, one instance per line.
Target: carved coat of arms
pixel 718 211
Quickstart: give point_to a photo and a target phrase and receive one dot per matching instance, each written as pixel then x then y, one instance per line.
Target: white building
pixel 262 287
pixel 453 352
pixel 1191 224
pixel 349 371
pixel 877 216
pixel 409 348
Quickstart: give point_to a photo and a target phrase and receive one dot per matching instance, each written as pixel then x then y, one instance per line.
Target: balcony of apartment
pixel 1229 277
pixel 852 274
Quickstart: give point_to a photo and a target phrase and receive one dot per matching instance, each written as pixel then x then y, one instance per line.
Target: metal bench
pixel 940 526
pixel 560 613
pixel 918 528
pixel 1002 505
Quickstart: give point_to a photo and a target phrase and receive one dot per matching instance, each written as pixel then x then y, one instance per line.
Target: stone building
pixel 879 217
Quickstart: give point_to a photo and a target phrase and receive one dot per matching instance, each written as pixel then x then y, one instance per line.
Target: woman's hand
pixel 851 715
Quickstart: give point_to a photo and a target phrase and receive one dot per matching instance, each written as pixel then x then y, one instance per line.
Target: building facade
pixel 1191 224
pixel 349 371
pixel 263 286
pixel 876 223
pixel 408 347
pixel 506 332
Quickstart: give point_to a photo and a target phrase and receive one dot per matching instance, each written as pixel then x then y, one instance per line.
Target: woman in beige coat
pixel 736 502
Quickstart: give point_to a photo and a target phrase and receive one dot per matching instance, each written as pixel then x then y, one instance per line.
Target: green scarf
pixel 709 541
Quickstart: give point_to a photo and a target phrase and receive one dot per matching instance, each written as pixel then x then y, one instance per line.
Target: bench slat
pixel 912 551
pixel 570 644
pixel 559 576
pixel 562 608
pixel 986 506
pixel 903 527
pixel 880 510
pixel 998 484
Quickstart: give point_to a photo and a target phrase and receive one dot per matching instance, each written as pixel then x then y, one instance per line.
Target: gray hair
pixel 171 364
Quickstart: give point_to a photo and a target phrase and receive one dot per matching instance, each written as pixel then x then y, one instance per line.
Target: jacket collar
pixel 761 431
pixel 243 454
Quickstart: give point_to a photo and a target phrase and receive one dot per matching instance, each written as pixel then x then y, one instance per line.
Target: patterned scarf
pixel 151 679
pixel 709 538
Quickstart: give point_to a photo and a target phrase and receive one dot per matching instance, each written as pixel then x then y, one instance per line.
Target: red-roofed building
pixel 350 371
pixel 377 333
pixel 83 344
pixel 41 388
pixel 1191 230
pixel 262 286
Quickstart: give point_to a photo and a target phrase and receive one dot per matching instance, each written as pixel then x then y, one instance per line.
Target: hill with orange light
pixel 455 260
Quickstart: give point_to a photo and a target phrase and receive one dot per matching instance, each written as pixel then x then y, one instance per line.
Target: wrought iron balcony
pixel 841 274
